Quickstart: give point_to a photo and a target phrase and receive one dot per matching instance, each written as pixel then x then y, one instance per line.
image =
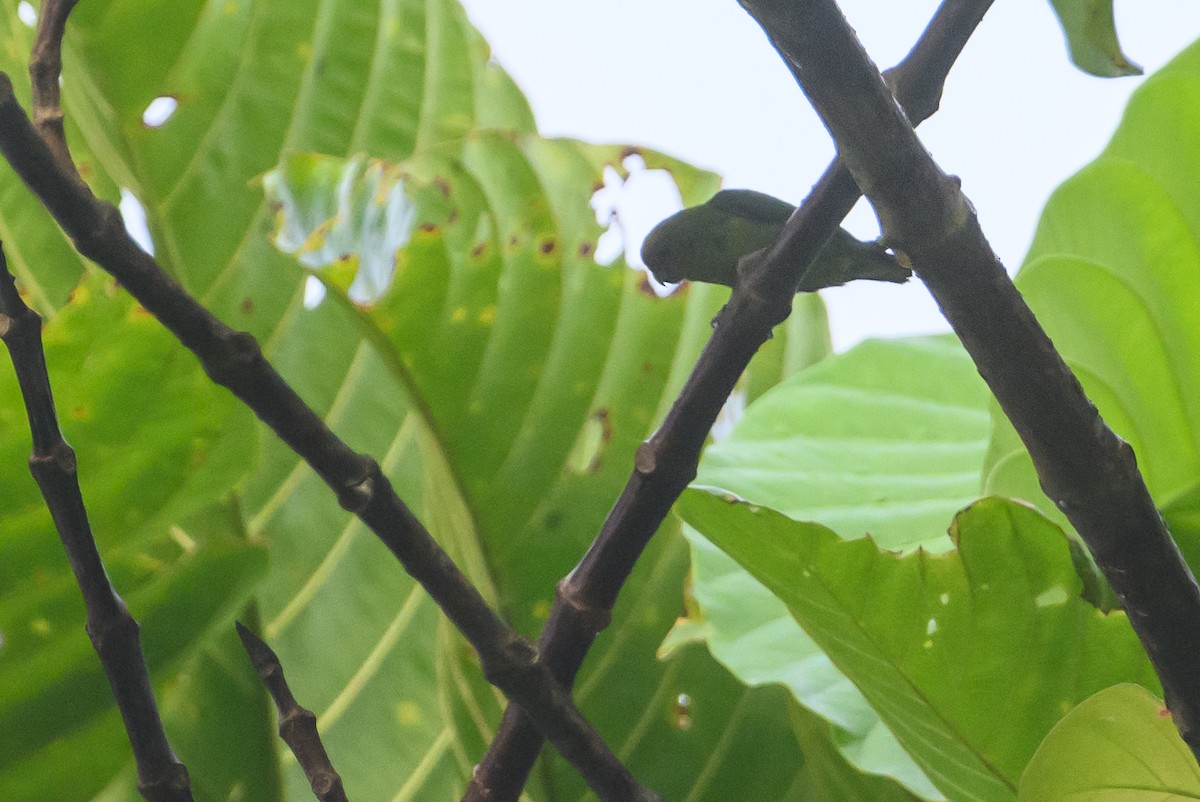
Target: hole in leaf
pixel 134 216
pixel 731 413
pixel 683 712
pixel 27 13
pixel 630 206
pixel 159 111
pixel 314 292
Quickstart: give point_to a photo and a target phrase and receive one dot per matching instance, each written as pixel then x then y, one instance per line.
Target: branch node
pixel 356 495
pixel 512 664
pixel 237 354
pixel 645 460
pixel 591 617
pixel 104 227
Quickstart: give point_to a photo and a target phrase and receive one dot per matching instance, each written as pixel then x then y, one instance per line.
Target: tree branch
pixel 1089 472
pixel 234 360
pixel 667 462
pixel 112 630
pixel 297 725
pixel 45 65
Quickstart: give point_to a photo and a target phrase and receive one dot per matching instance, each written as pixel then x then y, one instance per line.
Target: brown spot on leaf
pixel 646 288
pixel 596 187
pixel 428 228
pixel 478 250
pixel 586 248
pixel 443 186
pixel 453 216
pixel 247 306
pixel 647 367
pixel 548 246
pixel 602 416
pixel 513 240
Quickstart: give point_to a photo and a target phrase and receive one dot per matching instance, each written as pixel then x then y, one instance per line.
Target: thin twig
pixel 234 360
pixel 1089 472
pixel 297 725
pixel 666 463
pixel 45 66
pixel 113 632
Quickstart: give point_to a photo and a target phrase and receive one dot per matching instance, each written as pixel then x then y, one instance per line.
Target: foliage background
pixel 503 378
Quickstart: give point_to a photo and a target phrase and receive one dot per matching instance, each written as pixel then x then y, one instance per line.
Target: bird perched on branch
pixel 704 243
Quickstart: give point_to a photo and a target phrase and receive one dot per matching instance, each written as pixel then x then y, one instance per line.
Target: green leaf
pixel 887 439
pixel 1121 241
pixel 1092 37
pixel 1118 744
pixel 969 657
pixel 752 633
pixel 390 78
pixel 534 374
pixel 828 775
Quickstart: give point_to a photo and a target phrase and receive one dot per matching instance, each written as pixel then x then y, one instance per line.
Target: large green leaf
pixel 969 657
pixel 750 631
pixel 1118 744
pixel 390 78
pixel 251 80
pixel 886 439
pixel 535 373
pixel 1112 275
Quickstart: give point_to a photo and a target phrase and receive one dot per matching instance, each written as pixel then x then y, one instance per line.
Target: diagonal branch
pixel 297 725
pixel 1089 472
pixel 234 360
pixel 112 630
pixel 667 462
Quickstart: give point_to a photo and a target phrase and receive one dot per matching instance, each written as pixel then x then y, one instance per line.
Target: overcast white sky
pixel 697 79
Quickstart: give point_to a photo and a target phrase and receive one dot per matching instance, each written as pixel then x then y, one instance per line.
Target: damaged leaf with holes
pixel 400 702
pixel 535 372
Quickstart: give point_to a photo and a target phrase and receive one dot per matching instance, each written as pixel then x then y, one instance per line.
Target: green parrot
pixel 704 243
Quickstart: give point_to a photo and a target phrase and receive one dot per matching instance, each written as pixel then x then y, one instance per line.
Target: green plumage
pixel 705 243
